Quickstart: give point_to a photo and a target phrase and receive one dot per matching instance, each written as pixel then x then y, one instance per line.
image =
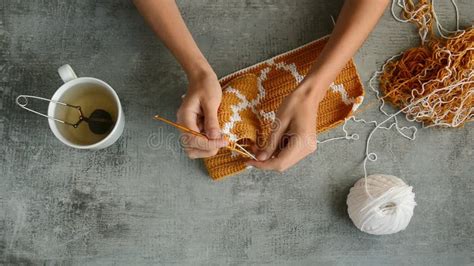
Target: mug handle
pixel 66 73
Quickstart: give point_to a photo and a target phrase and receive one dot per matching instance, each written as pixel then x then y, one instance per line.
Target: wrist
pixel 199 69
pixel 311 88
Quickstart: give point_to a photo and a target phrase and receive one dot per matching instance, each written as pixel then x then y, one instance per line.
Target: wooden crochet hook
pixel 231 145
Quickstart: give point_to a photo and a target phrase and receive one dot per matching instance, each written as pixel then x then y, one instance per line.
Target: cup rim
pixel 57 95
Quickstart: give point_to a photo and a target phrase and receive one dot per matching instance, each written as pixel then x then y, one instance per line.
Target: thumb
pixel 211 123
pixel 274 141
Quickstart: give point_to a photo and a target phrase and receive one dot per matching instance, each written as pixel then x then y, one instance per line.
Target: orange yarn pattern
pixel 252 96
pixel 440 70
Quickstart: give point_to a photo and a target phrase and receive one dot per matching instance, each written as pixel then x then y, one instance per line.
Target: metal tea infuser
pixel 100 121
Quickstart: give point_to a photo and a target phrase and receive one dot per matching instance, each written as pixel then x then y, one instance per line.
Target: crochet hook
pixel 231 145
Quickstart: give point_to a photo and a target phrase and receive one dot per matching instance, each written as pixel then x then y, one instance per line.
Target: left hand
pixel 295 136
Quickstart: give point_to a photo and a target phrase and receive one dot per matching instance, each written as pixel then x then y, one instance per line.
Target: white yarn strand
pixel 423 31
pixel 391 210
pixel 383 204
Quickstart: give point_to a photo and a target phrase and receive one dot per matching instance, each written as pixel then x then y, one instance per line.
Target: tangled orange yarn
pixel 432 83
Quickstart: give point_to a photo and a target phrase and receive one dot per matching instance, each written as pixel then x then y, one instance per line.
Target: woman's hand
pixel 294 136
pixel 199 108
pixel 199 113
pixel 297 113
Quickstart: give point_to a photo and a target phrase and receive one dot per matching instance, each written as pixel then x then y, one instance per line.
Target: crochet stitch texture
pixel 251 98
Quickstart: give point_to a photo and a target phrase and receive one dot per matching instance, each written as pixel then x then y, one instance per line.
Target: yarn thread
pixel 431 84
pixel 390 210
pixel 434 87
pixel 252 96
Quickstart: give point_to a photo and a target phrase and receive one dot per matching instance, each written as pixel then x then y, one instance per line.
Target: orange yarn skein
pixel 441 70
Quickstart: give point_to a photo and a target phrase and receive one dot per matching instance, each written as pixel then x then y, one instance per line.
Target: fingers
pixel 195 153
pixel 195 146
pixel 198 112
pixel 298 147
pixel 211 123
pixel 189 141
pixel 274 142
pixel 188 116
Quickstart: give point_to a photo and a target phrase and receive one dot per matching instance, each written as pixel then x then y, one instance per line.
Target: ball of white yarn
pixel 387 210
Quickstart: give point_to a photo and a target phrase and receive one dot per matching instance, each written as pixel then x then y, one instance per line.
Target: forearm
pixel 356 20
pixel 165 19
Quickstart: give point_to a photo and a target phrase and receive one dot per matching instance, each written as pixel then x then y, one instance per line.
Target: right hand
pixel 199 113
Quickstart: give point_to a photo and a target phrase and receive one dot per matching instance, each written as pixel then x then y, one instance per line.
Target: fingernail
pixel 262 156
pixel 224 143
pixel 214 134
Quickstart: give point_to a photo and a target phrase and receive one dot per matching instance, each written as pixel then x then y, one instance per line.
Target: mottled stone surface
pixel 142 201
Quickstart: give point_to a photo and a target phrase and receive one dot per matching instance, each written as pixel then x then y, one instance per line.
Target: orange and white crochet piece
pixel 251 98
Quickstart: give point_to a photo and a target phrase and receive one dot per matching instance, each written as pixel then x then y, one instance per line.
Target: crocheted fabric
pixel 252 96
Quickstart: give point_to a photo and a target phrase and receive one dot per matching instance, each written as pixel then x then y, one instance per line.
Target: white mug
pixel 94 93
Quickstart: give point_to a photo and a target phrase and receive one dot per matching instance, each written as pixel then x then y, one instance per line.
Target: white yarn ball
pixel 387 210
